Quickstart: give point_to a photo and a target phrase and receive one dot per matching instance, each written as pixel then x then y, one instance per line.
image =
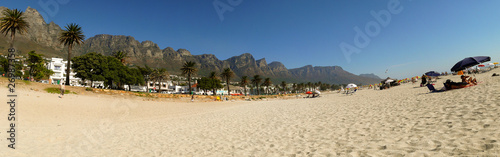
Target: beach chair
pixel 432 89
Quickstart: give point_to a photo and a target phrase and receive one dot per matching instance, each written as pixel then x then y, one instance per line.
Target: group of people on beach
pixel 466 82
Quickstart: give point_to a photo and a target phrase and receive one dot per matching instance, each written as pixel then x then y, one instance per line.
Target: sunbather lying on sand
pixel 455 85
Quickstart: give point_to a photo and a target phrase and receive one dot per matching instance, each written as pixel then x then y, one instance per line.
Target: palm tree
pixel 159 75
pixel 12 22
pixel 256 80
pixel 267 83
pixel 276 88
pixel 244 83
pixel 189 68
pixel 309 84
pixel 72 35
pixel 283 85
pixel 227 74
pixel 294 86
pixel 120 55
pixel 147 73
pixel 213 76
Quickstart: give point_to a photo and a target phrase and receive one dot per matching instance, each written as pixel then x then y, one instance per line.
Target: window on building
pixel 57 67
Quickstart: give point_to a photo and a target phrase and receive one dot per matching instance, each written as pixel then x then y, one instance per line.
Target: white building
pixel 157 86
pixel 58 65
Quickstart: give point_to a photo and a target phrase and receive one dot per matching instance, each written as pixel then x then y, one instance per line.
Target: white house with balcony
pixel 58 65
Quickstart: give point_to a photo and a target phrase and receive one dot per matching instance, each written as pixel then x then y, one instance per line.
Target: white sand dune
pixel 403 121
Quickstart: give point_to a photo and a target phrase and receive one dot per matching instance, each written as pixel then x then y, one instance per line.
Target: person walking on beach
pixel 61 86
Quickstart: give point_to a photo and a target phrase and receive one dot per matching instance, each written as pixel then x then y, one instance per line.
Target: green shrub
pixel 58 91
pixel 27 82
pixel 89 89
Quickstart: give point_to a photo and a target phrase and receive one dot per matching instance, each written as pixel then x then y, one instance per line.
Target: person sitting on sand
pixel 424 81
pixel 468 81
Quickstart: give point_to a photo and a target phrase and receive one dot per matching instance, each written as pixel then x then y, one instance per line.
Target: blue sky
pixel 425 35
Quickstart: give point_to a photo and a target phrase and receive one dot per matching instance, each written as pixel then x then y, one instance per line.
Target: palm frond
pixel 13 21
pixel 72 35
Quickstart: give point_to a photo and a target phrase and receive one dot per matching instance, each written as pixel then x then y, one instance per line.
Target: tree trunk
pixel 159 88
pixel 189 82
pixel 258 91
pixel 12 36
pixel 68 69
pixel 147 86
pixel 228 90
pixel 245 88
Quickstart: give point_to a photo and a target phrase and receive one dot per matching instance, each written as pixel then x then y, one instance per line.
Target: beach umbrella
pixel 317 92
pixel 495 63
pixel 309 92
pixel 432 73
pixel 469 62
pixel 389 81
pixel 490 64
pixel 351 85
pixel 481 65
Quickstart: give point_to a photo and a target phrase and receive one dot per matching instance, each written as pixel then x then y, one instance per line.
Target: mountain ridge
pixel 44 38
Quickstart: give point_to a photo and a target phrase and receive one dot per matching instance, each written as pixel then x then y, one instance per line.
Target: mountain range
pixel 42 37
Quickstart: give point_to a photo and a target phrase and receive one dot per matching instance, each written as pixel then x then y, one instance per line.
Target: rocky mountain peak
pixel 170 49
pixel 308 67
pixel 276 64
pixel 148 43
pixel 261 62
pixel 371 75
pixel 184 52
pixel 34 17
pixel 277 68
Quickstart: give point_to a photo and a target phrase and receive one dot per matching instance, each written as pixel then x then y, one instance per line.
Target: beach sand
pixel 405 120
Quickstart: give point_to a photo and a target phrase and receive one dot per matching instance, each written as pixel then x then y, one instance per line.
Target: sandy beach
pixel 406 120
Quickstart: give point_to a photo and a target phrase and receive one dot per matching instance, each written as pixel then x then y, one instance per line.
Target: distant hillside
pixel 370 76
pixel 42 37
